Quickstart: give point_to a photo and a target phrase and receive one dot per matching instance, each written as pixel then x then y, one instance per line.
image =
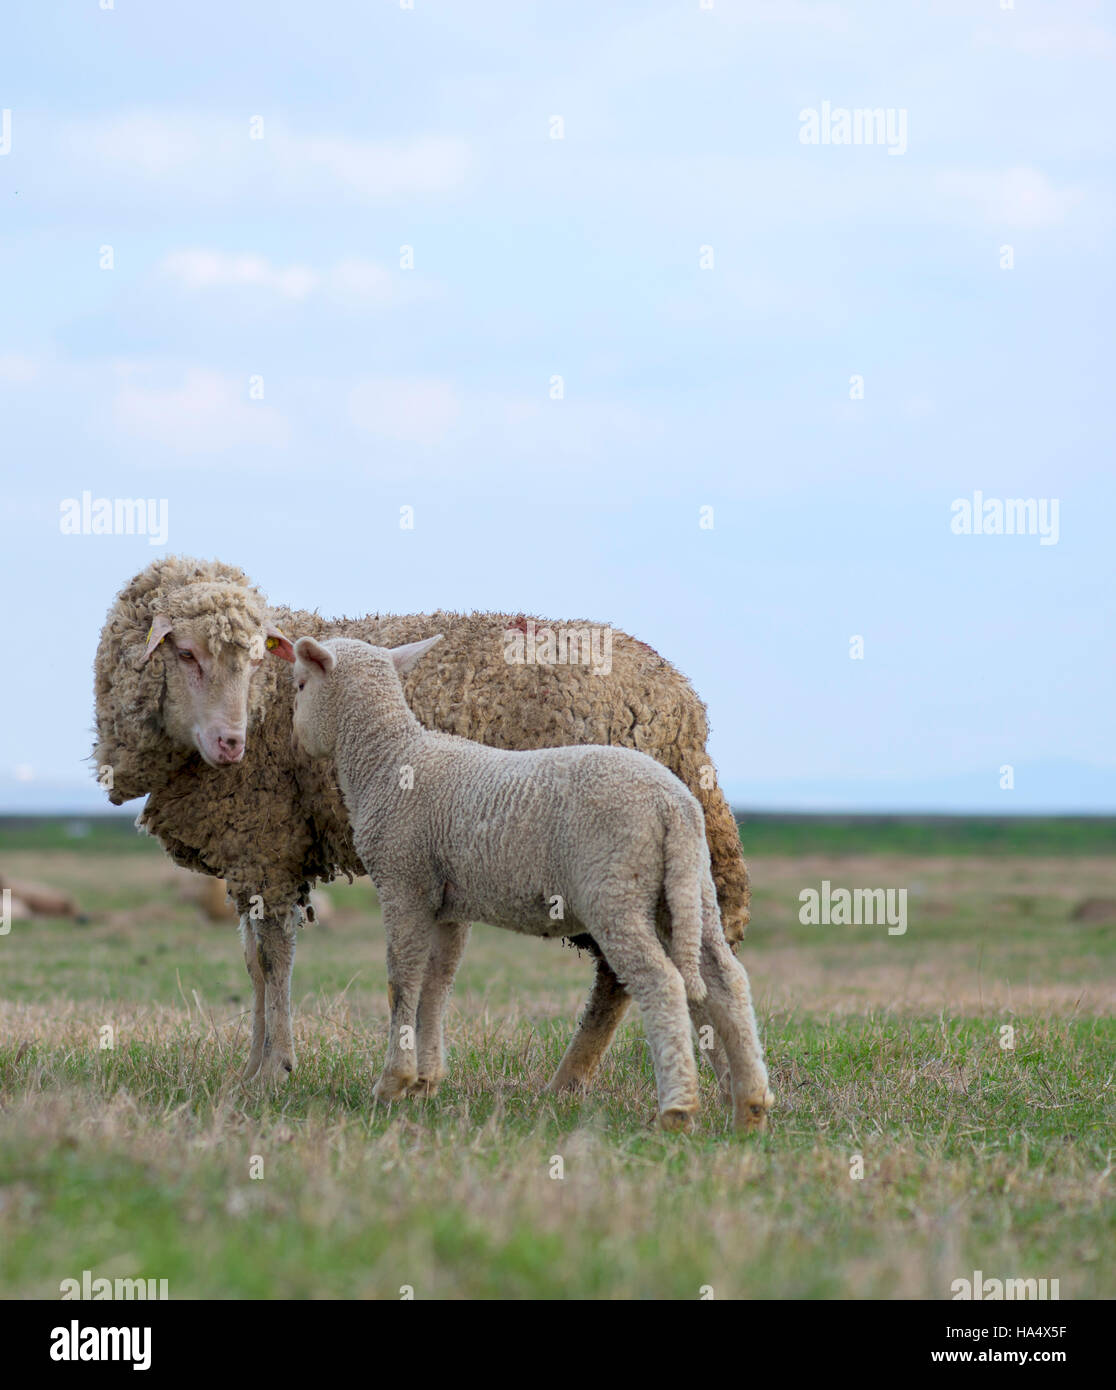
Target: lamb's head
pixel 319 669
pixel 212 639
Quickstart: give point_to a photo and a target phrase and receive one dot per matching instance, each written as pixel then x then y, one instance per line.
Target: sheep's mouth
pixel 219 760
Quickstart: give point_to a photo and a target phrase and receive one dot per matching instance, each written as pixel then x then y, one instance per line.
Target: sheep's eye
pixel 184 655
pixel 302 685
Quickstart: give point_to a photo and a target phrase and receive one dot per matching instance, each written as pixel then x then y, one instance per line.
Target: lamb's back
pixel 501 835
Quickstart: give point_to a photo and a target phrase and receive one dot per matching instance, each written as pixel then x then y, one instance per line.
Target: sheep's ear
pixel 404 658
pixel 160 626
pixel 314 654
pixel 277 644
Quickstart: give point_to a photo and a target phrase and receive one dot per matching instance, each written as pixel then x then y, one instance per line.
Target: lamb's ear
pixel 277 644
pixel 160 626
pixel 314 654
pixel 404 658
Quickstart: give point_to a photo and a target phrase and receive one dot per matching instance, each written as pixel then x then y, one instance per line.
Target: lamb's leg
pixel 410 929
pixel 259 1024
pixel 712 1048
pixel 632 948
pixel 608 1003
pixel 728 1007
pixel 450 939
pixel 275 934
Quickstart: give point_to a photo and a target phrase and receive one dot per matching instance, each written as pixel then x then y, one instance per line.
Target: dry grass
pixel 136 1160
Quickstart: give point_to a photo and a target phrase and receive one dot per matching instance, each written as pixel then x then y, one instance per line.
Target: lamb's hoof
pixel 676 1120
pixel 275 1069
pixel 751 1116
pixel 568 1084
pixel 390 1088
pixel 424 1087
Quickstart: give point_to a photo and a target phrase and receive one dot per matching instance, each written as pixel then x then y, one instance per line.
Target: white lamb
pixel 549 842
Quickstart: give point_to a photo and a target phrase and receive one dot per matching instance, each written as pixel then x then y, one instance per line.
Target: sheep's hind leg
pixel 259 1017
pixel 276 934
pixel 410 929
pixel 450 940
pixel 607 1005
pixel 728 1006
pixel 711 1047
pixel 632 949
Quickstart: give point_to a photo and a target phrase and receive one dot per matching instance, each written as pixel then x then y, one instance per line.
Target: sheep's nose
pixel 231 746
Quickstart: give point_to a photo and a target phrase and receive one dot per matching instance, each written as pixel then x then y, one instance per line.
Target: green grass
pixel 761 833
pixel 136 1160
pixel 927 835
pixel 103 834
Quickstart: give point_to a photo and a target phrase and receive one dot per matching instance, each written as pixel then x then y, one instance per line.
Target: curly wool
pixel 275 822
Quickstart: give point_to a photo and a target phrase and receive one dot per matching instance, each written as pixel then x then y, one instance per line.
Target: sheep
pixel 193 702
pixel 452 832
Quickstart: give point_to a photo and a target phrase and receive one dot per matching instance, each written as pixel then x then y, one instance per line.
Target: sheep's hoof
pixel 390 1088
pixel 424 1087
pixel 751 1116
pixel 275 1069
pixel 568 1083
pixel 677 1120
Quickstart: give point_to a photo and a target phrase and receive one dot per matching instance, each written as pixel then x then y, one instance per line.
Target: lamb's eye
pixel 184 655
pixel 302 685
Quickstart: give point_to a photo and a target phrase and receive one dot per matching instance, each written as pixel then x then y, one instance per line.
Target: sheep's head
pixel 314 726
pixel 212 639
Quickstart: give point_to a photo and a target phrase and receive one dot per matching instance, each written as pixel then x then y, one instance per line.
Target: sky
pixel 572 282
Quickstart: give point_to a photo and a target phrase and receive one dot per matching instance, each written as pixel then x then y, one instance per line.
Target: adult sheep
pixel 193 710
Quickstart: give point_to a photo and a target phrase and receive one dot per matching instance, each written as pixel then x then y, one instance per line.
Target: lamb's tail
pixel 686 857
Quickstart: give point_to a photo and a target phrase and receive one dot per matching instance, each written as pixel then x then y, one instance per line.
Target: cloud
pixel 17 369
pixel 209 158
pixel 206 413
pixel 382 170
pixel 501 431
pixel 1019 197
pixel 407 411
pixel 351 279
pixel 1063 40
pixel 204 270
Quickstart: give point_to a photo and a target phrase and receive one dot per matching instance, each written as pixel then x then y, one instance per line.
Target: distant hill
pixel 1057 787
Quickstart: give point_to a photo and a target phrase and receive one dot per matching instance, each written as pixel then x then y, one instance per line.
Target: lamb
pixel 452 832
pixel 193 711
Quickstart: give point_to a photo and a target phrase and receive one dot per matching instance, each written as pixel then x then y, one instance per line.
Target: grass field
pixel 138 1160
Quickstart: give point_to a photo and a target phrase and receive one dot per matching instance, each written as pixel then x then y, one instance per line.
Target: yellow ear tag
pixel 150 630
pixel 271 644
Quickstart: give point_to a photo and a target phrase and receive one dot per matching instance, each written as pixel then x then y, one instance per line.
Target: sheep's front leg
pixel 450 940
pixel 608 1003
pixel 259 1026
pixel 276 933
pixel 410 932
